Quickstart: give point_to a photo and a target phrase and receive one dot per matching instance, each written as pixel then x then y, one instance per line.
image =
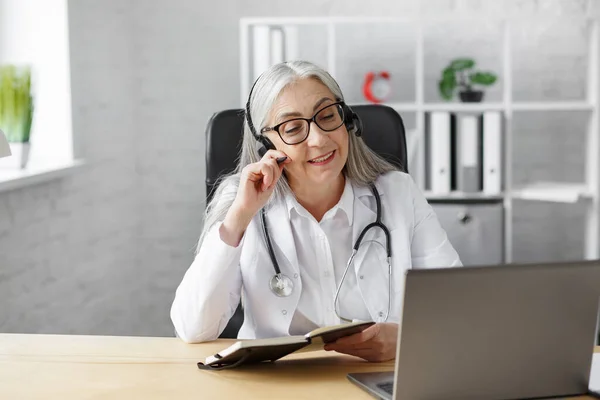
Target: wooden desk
pixel 99 367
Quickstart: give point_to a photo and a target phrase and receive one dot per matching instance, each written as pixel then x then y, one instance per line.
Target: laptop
pixel 503 332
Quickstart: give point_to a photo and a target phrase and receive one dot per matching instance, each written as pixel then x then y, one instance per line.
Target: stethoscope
pixel 282 286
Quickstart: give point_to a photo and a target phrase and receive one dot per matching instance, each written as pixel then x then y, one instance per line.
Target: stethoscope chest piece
pixel 281 285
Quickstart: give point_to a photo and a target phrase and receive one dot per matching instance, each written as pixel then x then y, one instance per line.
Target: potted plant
pixel 16 112
pixel 459 73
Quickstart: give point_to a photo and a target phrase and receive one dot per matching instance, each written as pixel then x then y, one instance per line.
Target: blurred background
pixel 98 229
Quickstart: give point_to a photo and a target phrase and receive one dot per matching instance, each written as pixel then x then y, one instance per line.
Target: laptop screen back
pixel 506 332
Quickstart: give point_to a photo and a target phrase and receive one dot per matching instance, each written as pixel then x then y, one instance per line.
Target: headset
pixel 351 120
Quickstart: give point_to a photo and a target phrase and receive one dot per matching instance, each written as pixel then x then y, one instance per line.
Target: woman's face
pixel 319 159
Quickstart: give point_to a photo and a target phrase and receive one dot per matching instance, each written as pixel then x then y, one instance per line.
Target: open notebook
pixel 258 350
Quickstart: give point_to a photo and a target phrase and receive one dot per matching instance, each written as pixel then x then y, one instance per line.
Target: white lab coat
pixel 210 290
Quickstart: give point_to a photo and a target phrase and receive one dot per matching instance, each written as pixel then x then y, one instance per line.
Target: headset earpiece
pixel 262 150
pixel 358 125
pixel 352 121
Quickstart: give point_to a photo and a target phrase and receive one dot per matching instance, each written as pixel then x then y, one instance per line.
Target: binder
pixel 469 155
pixel 492 152
pixel 269 47
pixel 277 45
pixel 438 152
pixel 261 49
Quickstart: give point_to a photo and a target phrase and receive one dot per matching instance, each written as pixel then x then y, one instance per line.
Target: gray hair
pixel 362 167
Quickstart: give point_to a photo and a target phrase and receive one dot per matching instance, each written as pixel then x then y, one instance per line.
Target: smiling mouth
pixel 322 158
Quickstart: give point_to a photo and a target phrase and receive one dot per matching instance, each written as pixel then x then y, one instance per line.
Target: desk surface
pixel 100 367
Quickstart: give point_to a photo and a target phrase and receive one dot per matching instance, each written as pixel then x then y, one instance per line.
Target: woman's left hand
pixel 376 343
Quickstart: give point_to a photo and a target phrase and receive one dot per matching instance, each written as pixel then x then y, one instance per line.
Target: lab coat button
pixel 362 277
pixel 295 275
pixel 284 312
pixel 381 314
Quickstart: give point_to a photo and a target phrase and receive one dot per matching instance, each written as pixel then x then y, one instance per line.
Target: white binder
pixel 271 45
pixel 261 50
pixel 468 167
pixel 492 152
pixel 277 45
pixel 438 150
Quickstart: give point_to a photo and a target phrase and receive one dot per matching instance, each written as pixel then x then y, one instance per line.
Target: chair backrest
pixel 383 132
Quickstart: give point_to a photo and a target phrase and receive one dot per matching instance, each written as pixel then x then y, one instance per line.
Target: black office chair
pixel 383 132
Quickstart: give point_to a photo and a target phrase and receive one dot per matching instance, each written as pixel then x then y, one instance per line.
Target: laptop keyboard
pixel 387 387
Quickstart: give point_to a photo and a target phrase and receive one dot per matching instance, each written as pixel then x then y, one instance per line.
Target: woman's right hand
pixel 257 182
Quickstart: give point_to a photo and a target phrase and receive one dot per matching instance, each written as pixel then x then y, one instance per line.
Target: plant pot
pixel 471 96
pixel 19 157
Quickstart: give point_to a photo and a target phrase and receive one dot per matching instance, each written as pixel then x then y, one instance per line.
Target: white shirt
pixel 306 250
pixel 324 249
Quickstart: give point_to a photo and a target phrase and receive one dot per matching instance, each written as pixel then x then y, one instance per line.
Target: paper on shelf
pixel 549 191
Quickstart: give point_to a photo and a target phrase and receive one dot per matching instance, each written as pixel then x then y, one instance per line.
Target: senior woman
pixel 280 231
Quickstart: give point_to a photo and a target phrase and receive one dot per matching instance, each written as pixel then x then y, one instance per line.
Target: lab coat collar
pixel 363 213
pixel 365 190
pixel 346 202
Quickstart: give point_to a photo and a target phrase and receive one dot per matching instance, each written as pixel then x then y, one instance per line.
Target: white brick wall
pixel 68 248
pixel 102 251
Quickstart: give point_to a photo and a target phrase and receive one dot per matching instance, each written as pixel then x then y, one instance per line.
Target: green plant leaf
pixel 483 78
pixel 16 102
pixel 449 75
pixel 460 64
pixel 446 88
pixel 447 84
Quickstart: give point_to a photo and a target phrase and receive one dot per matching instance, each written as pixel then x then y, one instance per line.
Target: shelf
pixel 456 195
pixel 414 105
pixel 541 191
pixel 403 106
pixel 463 107
pixel 11 179
pixel 278 21
pixel 553 191
pixel 480 107
pixel 451 107
pixel 409 18
pixel 552 106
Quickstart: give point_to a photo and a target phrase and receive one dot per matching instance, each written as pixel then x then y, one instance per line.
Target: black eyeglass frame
pixel 275 128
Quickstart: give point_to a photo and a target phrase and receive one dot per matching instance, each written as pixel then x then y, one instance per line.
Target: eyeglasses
pixel 295 131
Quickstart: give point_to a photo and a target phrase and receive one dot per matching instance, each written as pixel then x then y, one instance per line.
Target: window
pixel 35 32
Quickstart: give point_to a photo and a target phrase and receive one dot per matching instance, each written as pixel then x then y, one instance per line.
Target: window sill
pixel 14 179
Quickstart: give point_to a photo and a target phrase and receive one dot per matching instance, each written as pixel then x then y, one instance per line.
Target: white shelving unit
pixel 588 190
